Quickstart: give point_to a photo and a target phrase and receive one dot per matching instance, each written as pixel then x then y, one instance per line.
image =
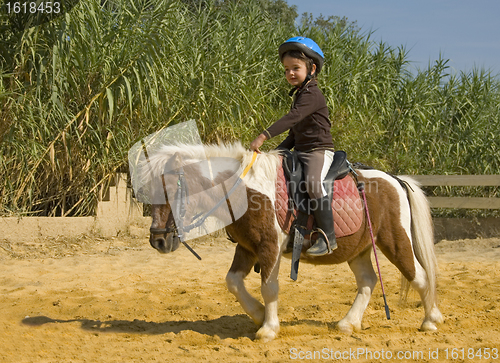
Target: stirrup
pixel 329 247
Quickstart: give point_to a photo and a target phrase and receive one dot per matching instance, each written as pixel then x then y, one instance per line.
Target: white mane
pixel 261 176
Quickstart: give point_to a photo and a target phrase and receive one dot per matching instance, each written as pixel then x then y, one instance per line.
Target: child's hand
pixel 259 140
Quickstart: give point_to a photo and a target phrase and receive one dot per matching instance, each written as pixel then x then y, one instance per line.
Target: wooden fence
pixel 461 180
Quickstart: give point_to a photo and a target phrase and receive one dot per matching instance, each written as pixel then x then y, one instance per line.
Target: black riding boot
pixel 323 215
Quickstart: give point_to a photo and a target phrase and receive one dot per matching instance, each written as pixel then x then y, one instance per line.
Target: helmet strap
pixel 296 88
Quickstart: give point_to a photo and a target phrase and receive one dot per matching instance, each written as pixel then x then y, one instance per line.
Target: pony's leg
pixel 432 314
pixel 269 289
pixel 366 280
pixel 243 262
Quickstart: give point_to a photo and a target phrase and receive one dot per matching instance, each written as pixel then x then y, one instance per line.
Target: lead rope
pixel 247 169
pixel 361 188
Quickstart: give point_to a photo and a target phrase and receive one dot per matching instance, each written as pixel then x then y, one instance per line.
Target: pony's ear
pixel 177 161
pixel 173 164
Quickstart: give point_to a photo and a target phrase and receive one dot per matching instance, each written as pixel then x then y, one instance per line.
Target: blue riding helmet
pixel 306 46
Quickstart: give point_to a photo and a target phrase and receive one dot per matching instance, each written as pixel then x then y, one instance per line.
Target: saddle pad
pixel 346 205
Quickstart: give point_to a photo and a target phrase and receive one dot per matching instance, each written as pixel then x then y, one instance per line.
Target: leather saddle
pixel 293 169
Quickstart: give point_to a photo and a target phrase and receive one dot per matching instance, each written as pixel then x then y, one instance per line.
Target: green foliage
pixel 77 92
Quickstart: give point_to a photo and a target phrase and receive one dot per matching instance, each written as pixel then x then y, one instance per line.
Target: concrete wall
pixel 119 213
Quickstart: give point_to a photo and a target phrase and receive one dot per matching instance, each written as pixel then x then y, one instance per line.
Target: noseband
pixel 168 229
pixel 173 229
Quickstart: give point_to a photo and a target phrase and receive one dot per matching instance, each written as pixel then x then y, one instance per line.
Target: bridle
pixel 181 209
pixel 169 227
pixel 182 198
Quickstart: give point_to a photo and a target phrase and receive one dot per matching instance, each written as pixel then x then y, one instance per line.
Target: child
pixel 309 131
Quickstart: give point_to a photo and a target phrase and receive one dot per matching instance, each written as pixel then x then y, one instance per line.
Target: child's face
pixel 295 70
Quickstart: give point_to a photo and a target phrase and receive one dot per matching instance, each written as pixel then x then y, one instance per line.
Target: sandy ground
pixel 118 300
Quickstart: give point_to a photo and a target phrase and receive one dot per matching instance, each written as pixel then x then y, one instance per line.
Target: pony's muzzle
pixel 160 244
pixel 164 244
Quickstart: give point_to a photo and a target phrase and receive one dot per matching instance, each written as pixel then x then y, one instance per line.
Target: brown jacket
pixel 307 121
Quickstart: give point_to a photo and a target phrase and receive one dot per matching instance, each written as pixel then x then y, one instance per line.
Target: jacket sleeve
pixel 305 105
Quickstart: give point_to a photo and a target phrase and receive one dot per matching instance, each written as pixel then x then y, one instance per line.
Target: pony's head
pixel 188 185
pixel 177 188
pixel 163 234
pixel 163 231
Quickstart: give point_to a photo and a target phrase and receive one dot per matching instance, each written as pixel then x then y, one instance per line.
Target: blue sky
pixel 465 31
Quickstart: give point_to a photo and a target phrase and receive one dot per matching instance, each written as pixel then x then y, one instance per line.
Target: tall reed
pixel 76 93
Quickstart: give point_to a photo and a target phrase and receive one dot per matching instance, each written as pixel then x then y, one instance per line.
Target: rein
pixel 181 207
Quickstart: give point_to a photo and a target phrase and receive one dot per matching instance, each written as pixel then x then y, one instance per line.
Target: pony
pixel 401 224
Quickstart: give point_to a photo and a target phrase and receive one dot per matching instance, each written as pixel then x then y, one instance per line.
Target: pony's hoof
pixel 436 316
pixel 347 327
pixel 265 335
pixel 428 326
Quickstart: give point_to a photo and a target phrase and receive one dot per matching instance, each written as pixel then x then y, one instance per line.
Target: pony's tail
pixel 422 231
